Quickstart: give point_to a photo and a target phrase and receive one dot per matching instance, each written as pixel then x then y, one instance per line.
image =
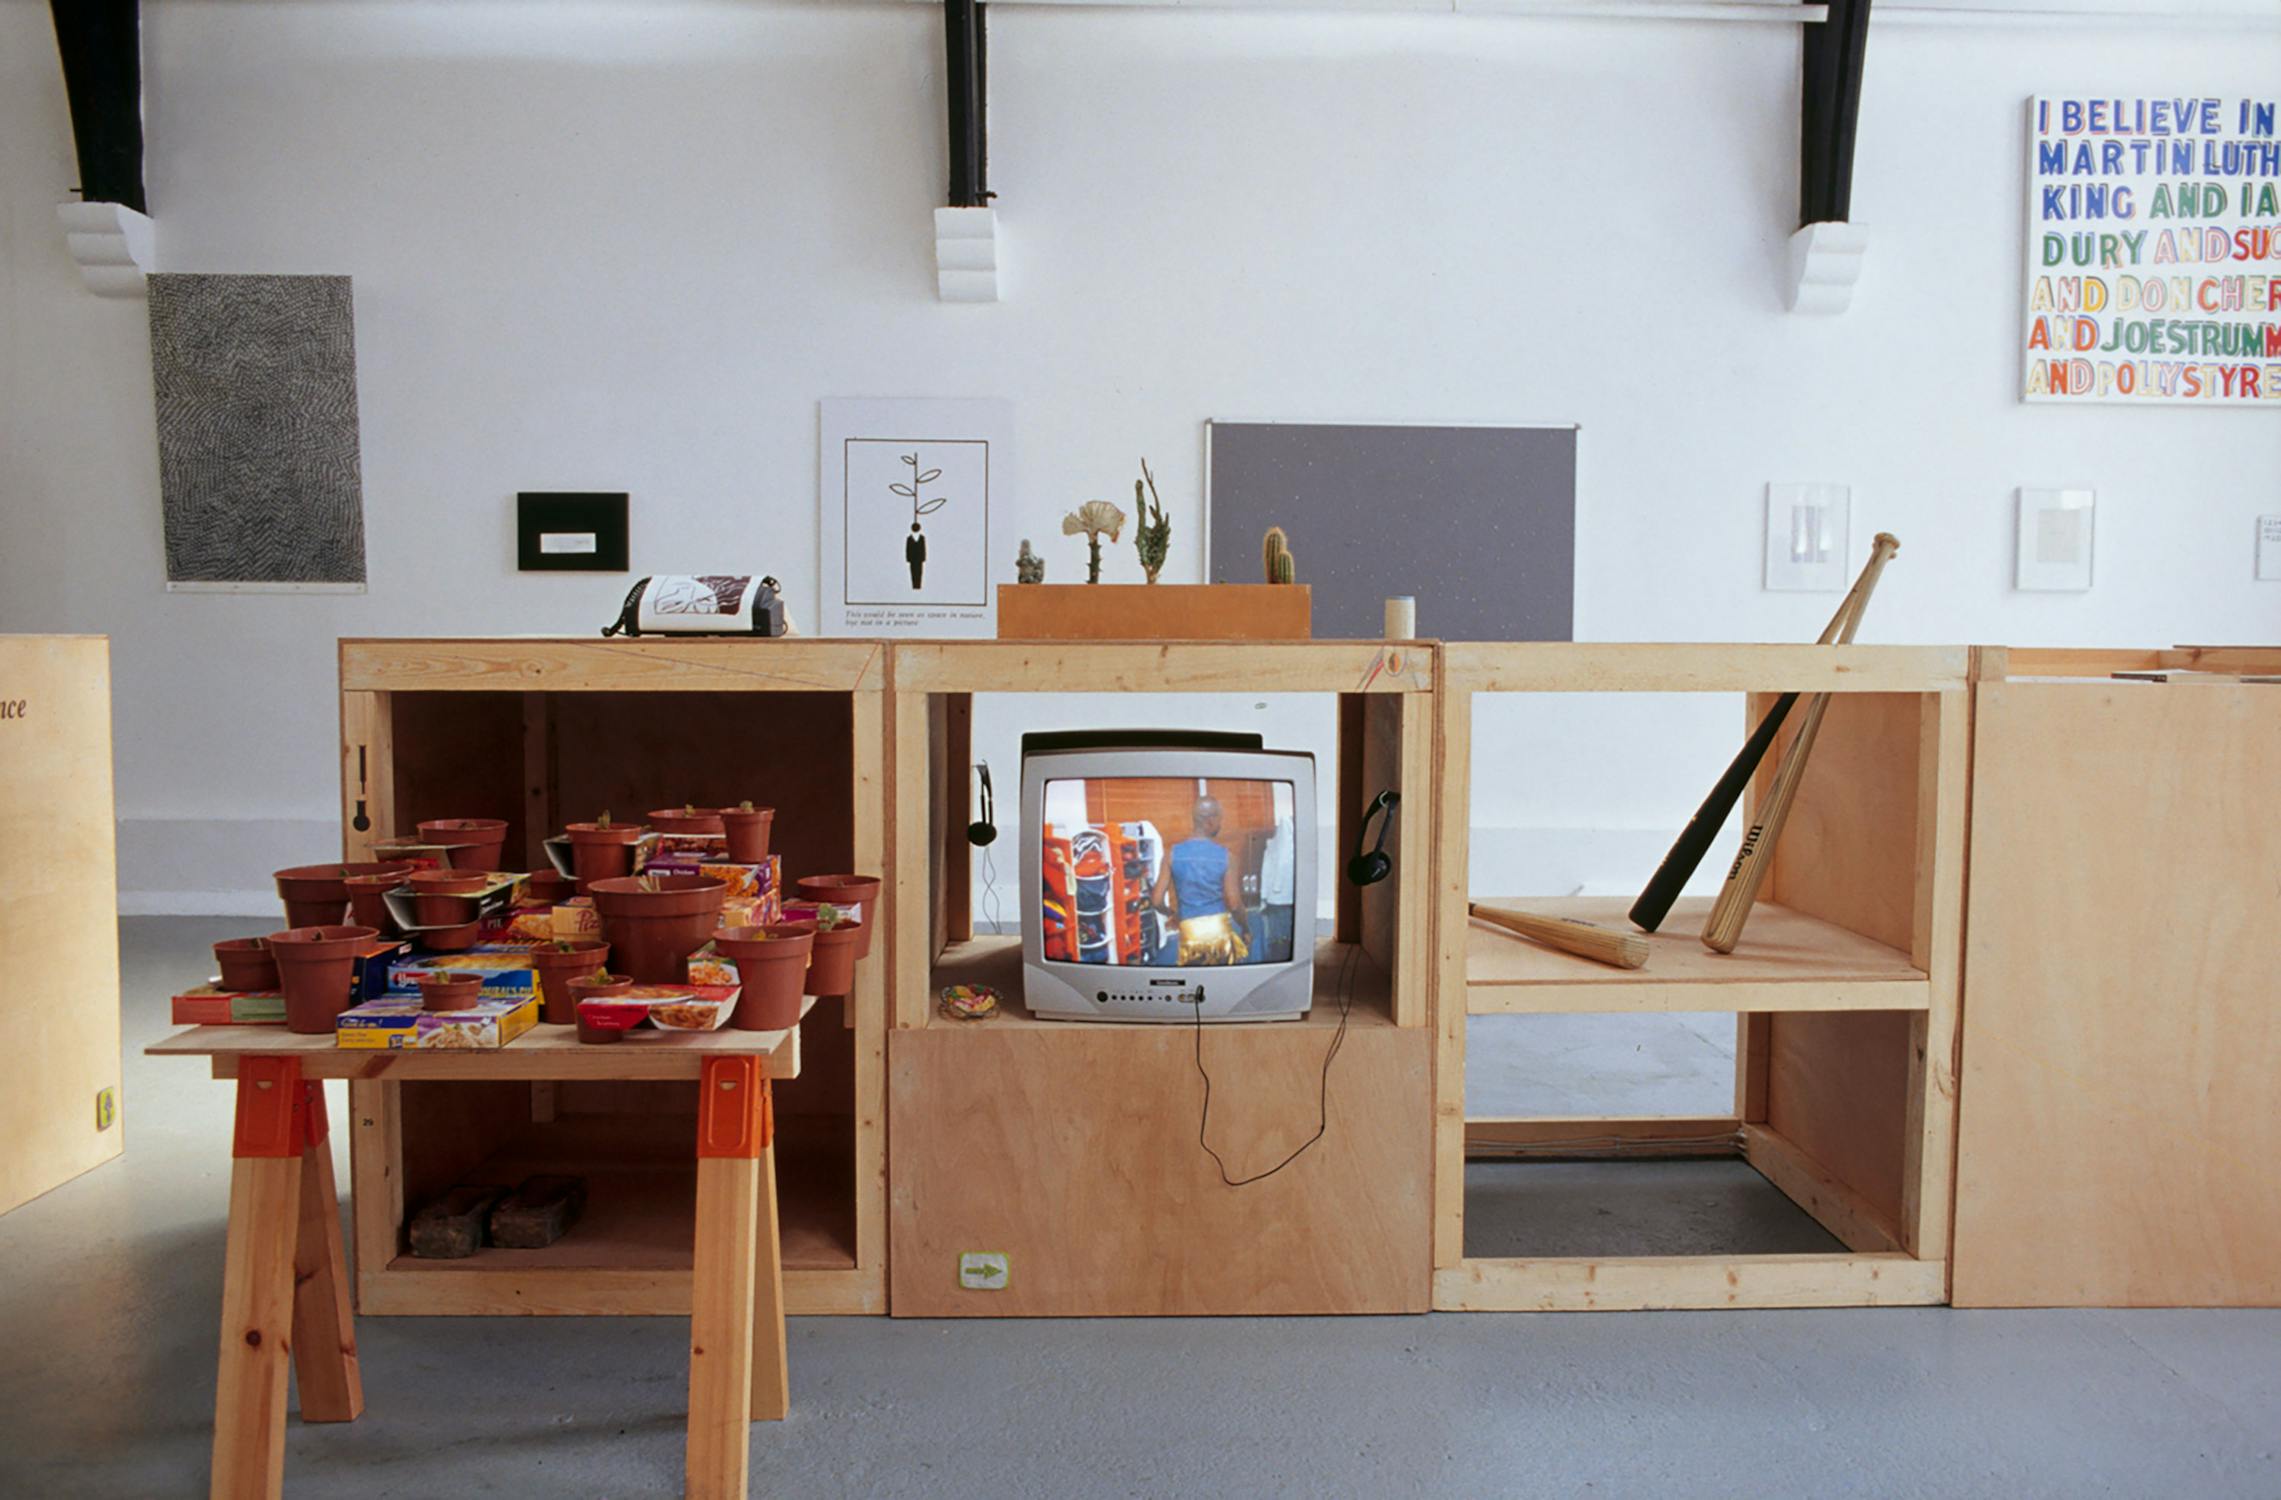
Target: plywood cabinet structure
pixel 59 914
pixel 2122 1041
pixel 1845 989
pixel 1072 1148
pixel 543 732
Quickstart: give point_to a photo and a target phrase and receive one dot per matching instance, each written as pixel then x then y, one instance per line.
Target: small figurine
pixel 1028 566
pixel 1275 556
pixel 1152 536
pixel 1092 518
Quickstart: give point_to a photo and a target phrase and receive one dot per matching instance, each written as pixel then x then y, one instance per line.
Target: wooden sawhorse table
pixel 285 1288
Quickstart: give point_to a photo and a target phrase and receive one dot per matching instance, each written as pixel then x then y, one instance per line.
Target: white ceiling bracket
pixel 112 244
pixel 1825 262
pixel 966 254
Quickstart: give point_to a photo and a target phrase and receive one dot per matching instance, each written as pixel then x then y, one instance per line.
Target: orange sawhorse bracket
pixel 284 1282
pixel 736 1296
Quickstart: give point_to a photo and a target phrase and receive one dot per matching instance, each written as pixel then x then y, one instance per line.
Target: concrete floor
pixel 107 1326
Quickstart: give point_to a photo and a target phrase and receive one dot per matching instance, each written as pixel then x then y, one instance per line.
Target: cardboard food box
pixel 752 911
pixel 393 1025
pixel 211 1005
pixel 576 918
pixel 526 922
pixel 506 970
pixel 744 882
pixel 670 848
pixel 369 978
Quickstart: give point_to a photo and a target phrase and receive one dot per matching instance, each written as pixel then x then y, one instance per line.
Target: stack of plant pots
pixel 444 903
pixel 317 895
pixel 469 843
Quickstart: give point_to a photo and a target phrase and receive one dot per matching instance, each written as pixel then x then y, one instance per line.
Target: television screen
pixel 1167 871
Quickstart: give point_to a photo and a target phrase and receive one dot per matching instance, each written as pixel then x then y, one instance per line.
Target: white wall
pixel 629 245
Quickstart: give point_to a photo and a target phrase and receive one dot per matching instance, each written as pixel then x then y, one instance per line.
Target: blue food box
pixel 506 970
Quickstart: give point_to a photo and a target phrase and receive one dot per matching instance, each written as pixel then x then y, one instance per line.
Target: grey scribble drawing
pixel 259 470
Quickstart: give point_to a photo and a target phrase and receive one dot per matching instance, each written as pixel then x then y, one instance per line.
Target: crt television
pixel 1167 876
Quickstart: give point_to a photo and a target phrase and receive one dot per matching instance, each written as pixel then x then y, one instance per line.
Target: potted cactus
pixel 247 965
pixel 443 901
pixel 831 963
pixel 317 895
pixel 314 967
pixel 687 818
pixel 602 850
pixel 1275 557
pixel 856 895
pixel 1092 519
pixel 747 829
pixel 470 843
pixel 450 989
pixel 1152 533
pixel 654 922
pixel 556 965
pixel 772 967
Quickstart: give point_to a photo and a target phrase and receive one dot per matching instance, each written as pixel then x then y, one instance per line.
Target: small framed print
pixel 2055 540
pixel 558 532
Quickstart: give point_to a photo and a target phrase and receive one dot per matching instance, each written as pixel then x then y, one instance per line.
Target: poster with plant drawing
pixel 908 491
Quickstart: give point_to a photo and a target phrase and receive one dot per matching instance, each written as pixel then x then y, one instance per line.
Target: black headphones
pixel 1369 866
pixel 986 831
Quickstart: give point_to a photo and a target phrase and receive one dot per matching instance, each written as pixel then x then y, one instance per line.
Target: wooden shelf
pixel 997 962
pixel 641 1195
pixel 1787 961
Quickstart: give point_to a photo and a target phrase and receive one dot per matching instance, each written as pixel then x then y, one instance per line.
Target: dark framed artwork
pixel 260 474
pixel 570 532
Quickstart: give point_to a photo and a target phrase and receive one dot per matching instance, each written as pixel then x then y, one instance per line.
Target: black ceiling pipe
pixel 966 50
pixel 1830 116
pixel 100 43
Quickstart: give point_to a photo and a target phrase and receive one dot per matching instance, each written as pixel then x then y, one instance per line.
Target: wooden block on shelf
pixel 451 1227
pixel 1155 612
pixel 538 1213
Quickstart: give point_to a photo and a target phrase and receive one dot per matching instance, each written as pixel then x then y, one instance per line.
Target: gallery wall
pixel 628 246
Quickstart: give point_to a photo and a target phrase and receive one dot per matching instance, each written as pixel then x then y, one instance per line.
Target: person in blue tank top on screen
pixel 1198 887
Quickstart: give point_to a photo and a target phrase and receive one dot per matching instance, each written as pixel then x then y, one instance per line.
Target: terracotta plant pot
pixel 368 900
pixel 846 890
pixel 449 990
pixel 599 853
pixel 557 966
pixel 599 986
pixel 772 967
pixel 831 966
pixel 317 895
pixel 445 897
pixel 314 966
pixel 548 887
pixel 747 830
pixel 653 923
pixel 481 841
pixel 686 820
pixel 247 967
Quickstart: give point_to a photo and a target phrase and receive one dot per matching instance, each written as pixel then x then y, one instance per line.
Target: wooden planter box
pixel 1154 612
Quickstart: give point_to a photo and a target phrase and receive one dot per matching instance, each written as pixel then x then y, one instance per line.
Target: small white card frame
pixel 2269 549
pixel 2055 540
pixel 1808 537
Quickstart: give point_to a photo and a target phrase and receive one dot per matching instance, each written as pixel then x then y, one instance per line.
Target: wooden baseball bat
pixel 1625 950
pixel 1723 928
pixel 1694 841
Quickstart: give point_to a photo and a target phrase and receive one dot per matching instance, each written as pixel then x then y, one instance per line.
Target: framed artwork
pixel 908 493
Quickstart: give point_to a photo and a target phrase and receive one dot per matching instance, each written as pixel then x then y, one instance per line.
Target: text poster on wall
pixel 2154 251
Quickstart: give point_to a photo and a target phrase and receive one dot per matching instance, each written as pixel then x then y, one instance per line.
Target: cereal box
pixel 394 1025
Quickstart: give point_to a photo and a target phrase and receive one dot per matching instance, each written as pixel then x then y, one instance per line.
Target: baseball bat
pixel 1723 928
pixel 1624 950
pixel 1694 841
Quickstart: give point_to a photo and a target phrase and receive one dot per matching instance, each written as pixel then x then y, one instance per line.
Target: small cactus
pixel 1152 535
pixel 1275 557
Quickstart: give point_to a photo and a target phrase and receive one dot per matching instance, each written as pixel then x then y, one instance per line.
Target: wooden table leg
pixel 733 1125
pixel 324 1328
pixel 771 1381
pixel 257 1280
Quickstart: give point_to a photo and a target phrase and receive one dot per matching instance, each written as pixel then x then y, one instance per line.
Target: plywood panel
pixel 1837 1084
pixel 2118 1136
pixel 1072 1149
pixel 59 917
pixel 1849 851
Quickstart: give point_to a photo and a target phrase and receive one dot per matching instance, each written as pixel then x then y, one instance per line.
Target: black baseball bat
pixel 1687 851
